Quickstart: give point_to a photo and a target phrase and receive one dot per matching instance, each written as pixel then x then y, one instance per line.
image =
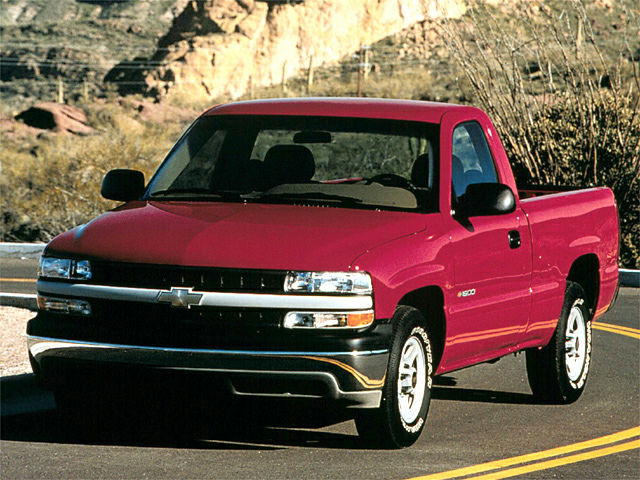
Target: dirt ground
pixel 13 348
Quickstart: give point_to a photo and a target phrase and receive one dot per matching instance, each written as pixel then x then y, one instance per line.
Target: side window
pixel 471 160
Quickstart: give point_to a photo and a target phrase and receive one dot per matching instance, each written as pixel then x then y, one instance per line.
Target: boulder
pixel 57 117
pixel 158 112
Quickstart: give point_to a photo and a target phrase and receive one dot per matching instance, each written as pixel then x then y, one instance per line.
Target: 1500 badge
pixel 467 293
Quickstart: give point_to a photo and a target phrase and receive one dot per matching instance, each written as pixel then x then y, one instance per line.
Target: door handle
pixel 515 241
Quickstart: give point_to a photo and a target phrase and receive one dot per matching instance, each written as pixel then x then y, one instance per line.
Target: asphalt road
pixel 18 275
pixel 482 414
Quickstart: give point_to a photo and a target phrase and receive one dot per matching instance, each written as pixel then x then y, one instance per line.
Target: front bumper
pixel 234 336
pixel 354 378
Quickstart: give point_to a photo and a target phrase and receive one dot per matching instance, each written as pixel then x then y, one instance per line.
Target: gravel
pixel 13 349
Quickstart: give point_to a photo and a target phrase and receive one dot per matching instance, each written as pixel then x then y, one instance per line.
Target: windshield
pixel 342 162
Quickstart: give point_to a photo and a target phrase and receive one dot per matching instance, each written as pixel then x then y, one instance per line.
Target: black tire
pixel 398 422
pixel 558 372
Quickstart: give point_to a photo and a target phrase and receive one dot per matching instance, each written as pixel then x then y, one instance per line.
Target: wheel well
pixel 585 271
pixel 430 302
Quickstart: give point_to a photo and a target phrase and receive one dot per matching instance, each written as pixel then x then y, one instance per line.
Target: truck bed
pixel 532 191
pixel 567 224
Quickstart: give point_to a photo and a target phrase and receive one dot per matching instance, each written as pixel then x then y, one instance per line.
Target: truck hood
pixel 279 237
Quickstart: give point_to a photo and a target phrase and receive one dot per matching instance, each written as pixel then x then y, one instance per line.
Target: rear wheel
pixel 400 419
pixel 558 372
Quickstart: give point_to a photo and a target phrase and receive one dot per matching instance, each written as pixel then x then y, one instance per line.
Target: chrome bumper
pixel 355 377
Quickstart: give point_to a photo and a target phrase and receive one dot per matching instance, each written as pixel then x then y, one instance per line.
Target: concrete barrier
pixel 21 250
pixel 629 278
pixel 19 300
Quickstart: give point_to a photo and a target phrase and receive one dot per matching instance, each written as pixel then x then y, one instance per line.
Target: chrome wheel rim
pixel 412 380
pixel 575 344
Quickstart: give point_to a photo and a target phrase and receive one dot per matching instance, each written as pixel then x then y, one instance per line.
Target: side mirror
pixel 123 185
pixel 484 199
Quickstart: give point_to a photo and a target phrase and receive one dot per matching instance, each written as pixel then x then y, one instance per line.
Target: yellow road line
pixel 530 457
pixel 554 452
pixel 18 280
pixel 619 332
pixel 617 327
pixel 613 329
pixel 581 457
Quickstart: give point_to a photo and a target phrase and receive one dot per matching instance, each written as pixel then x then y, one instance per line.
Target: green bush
pixel 608 157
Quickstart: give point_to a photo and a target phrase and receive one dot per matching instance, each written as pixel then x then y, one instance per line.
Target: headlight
pixel 358 283
pixel 51 267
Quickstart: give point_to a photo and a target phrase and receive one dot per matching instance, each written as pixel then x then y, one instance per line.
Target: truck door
pixel 489 302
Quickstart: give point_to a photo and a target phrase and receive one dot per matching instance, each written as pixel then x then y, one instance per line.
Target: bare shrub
pixel 566 116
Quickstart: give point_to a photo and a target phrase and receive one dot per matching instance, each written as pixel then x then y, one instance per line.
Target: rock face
pixel 57 117
pixel 222 47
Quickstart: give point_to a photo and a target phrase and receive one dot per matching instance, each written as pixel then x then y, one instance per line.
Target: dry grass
pixel 51 182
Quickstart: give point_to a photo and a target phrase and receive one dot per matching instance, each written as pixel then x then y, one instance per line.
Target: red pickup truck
pixel 340 249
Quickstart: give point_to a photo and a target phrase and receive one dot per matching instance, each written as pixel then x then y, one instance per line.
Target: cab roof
pixel 412 110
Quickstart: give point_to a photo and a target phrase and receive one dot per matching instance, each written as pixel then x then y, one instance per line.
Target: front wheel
pixel 558 372
pixel 400 419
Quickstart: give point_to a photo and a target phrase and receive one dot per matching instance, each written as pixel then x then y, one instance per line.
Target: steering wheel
pixel 391 180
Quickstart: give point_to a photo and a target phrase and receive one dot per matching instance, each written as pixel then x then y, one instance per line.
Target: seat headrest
pixel 288 164
pixel 254 175
pixel 420 171
pixel 457 176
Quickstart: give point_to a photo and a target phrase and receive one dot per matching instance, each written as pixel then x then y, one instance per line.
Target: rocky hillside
pixel 172 49
pixel 198 52
pixel 74 41
pixel 219 48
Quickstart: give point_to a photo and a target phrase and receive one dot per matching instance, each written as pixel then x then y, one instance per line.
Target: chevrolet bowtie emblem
pixel 180 297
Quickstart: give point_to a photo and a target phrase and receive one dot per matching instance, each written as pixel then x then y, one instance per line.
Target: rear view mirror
pixel 123 185
pixel 312 136
pixel 484 199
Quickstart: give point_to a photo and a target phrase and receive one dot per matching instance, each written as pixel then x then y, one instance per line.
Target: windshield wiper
pixel 317 196
pixel 197 191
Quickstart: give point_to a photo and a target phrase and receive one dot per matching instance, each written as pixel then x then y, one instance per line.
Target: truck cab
pixel 336 249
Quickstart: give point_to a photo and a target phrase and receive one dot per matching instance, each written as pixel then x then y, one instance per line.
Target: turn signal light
pixel 64 305
pixel 328 319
